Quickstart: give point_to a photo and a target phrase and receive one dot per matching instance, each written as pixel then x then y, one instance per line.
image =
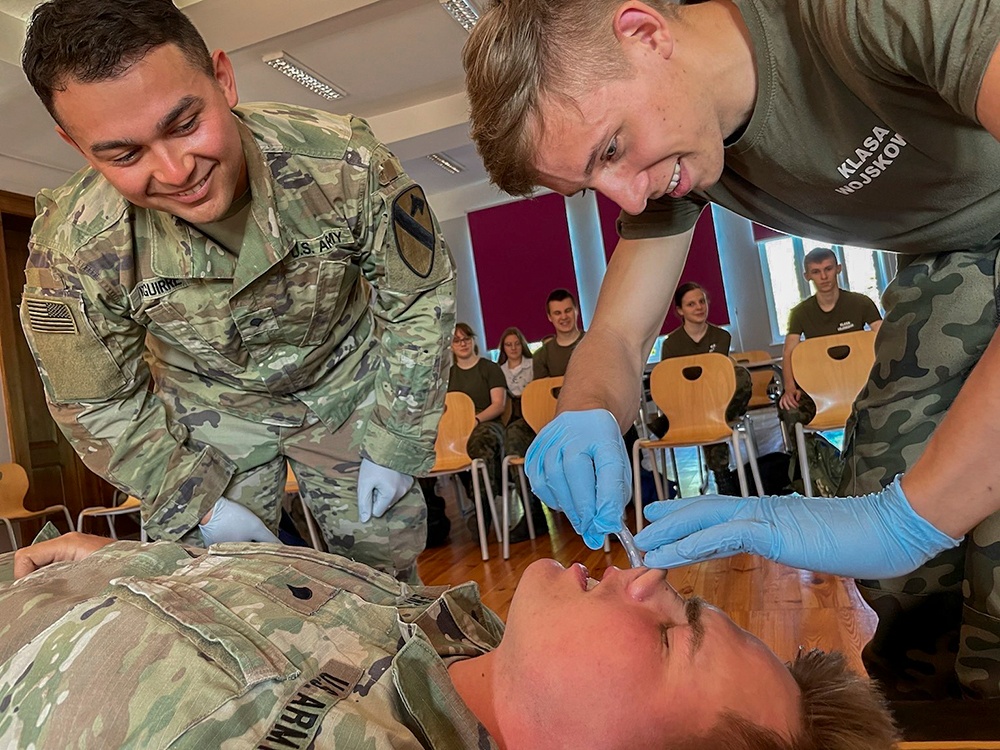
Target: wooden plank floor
pixel 784 607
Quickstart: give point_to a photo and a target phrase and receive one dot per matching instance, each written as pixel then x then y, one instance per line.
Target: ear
pixel 636 22
pixel 225 76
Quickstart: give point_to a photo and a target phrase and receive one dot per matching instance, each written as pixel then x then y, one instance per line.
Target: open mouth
pixel 675 180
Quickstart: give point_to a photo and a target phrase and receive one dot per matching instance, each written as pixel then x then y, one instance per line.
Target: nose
pixel 174 166
pixel 629 192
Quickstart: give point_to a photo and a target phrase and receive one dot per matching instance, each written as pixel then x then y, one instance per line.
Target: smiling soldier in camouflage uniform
pixel 227 288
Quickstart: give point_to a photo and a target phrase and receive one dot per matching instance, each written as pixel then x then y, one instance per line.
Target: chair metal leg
pixel 111 526
pixel 310 524
pixel 490 499
pixel 607 543
pixel 752 458
pixel 702 478
pixel 636 489
pixel 800 443
pixel 10 532
pixel 741 472
pixel 677 475
pixel 69 518
pixel 479 510
pixel 505 501
pixel 526 501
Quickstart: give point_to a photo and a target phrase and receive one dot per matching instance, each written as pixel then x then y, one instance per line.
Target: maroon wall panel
pixel 522 252
pixel 702 262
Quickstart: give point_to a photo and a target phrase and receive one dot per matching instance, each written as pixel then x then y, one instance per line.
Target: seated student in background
pixel 829 311
pixel 483 381
pixel 697 336
pixel 551 360
pixel 515 361
pixel 268 646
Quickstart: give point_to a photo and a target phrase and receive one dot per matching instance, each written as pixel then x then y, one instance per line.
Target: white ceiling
pixel 398 60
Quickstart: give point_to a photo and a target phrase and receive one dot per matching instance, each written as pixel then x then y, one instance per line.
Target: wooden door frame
pixel 17 427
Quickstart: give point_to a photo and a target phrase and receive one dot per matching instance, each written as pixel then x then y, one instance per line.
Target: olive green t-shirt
pixel 680 344
pixel 477 381
pixel 551 360
pixel 864 129
pixel 851 313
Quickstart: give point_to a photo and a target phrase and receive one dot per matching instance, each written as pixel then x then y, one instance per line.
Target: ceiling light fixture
pixel 285 63
pixel 462 11
pixel 448 165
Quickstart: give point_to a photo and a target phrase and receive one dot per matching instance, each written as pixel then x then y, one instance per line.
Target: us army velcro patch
pixel 302 716
pixel 49 316
pixel 414 228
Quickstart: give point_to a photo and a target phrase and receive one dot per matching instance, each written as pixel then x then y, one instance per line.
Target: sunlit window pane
pixel 859 262
pixel 784 281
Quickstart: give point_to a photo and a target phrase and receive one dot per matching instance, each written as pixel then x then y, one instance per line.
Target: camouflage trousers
pixel 938 628
pixel 826 463
pixel 487 443
pixel 325 464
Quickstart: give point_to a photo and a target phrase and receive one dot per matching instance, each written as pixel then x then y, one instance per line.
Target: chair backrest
pixel 538 401
pixel 761 378
pixel 13 487
pixel 833 370
pixel 456 425
pixel 693 393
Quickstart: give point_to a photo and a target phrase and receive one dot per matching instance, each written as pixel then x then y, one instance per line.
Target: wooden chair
pixel 832 370
pixel 13 490
pixel 130 504
pixel 538 407
pixel 456 425
pixel 693 393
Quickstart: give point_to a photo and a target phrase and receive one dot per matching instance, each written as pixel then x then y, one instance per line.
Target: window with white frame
pixel 782 260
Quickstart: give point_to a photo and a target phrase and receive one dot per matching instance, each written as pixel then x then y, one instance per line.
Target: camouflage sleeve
pixel 408 263
pixel 89 353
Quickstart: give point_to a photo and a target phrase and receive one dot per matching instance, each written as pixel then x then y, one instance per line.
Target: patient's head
pixel 629 663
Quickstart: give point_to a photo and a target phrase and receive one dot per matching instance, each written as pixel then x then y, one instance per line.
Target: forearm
pixel 787 374
pixel 604 373
pixel 131 442
pixel 955 483
pixel 498 401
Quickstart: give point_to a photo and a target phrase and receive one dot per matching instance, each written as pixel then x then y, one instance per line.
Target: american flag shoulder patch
pixel 50 316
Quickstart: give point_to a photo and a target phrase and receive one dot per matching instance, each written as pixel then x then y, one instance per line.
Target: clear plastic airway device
pixel 631 551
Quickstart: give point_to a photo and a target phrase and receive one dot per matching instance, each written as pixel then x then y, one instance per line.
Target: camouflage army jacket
pixel 242 646
pixel 340 247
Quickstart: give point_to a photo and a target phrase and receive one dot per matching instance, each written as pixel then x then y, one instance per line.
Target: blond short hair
pixel 524 50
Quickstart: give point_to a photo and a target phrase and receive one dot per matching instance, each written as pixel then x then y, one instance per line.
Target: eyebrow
pixel 589 168
pixel 178 110
pixel 693 609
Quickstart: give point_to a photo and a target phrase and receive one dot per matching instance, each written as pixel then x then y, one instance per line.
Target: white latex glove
pixel 379 488
pixel 232 522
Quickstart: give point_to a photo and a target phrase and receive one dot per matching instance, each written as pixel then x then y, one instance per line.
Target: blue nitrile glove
pixel 874 536
pixel 578 465
pixel 232 522
pixel 378 489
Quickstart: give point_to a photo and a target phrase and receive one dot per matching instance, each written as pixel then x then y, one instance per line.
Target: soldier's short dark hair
pixel 97 40
pixel 558 295
pixel 840 711
pixel 818 255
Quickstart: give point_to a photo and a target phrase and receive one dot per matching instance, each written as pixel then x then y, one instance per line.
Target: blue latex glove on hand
pixel 874 536
pixel 232 522
pixel 578 465
pixel 378 489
